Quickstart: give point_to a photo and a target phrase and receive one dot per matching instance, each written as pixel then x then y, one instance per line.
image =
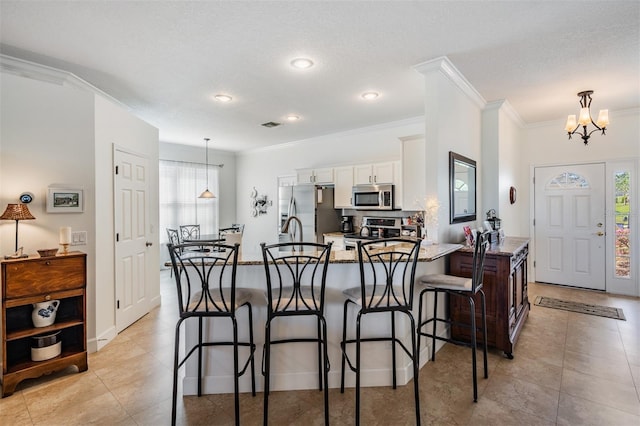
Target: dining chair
pixel 174 238
pixel 455 286
pixel 387 272
pixel 296 277
pixel 206 287
pixel 191 233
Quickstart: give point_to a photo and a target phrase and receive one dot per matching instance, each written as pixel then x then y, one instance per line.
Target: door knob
pixel 599 233
pixel 148 244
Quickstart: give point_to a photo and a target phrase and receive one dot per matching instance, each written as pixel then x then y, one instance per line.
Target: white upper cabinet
pixel 315 176
pixel 373 173
pixel 399 185
pixel 343 178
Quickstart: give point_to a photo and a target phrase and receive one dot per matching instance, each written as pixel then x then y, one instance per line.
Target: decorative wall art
pixel 258 203
pixel 65 200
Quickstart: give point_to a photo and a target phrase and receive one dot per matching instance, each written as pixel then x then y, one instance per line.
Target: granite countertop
pixel 427 254
pixel 506 247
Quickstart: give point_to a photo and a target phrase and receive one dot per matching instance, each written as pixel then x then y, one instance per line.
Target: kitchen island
pixel 295 366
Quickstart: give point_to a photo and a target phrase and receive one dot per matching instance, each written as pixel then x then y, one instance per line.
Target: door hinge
pixel 534 222
pixel 116 169
pixel 534 180
pixel 117 304
pixel 117 237
pixel 534 263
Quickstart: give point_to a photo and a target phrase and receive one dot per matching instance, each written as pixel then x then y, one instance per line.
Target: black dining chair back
pixel 387 273
pixel 296 276
pixel 189 232
pixel 206 287
pixel 173 236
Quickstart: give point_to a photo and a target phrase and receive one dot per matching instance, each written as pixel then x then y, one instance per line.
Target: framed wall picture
pixel 65 200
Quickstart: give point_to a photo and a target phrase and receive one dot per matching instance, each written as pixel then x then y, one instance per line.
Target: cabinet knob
pixel 47 263
pixel 47 297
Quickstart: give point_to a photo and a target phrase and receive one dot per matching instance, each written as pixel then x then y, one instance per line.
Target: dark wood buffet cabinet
pixel 32 280
pixel 505 287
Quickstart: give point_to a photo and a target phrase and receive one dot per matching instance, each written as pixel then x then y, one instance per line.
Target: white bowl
pixel 48 352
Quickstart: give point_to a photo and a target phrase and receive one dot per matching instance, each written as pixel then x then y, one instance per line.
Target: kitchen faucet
pixel 285 227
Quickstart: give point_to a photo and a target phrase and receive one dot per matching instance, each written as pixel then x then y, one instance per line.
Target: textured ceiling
pixel 166 59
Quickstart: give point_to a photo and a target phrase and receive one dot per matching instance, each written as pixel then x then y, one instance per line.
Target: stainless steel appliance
pixel 347 224
pixel 374 228
pixel 373 197
pixel 313 206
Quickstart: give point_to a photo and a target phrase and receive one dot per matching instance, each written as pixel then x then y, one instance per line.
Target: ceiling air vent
pixel 271 124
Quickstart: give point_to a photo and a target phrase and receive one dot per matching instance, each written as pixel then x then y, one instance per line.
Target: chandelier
pixel 585 118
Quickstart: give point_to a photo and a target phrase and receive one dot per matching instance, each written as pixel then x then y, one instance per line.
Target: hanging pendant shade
pixel 206 193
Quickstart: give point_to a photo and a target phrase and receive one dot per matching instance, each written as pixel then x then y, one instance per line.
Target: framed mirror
pixel 462 188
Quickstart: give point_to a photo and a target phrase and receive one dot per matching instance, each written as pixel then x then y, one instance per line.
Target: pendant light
pixel 206 193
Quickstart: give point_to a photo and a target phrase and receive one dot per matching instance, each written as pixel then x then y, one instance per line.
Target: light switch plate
pixel 79 238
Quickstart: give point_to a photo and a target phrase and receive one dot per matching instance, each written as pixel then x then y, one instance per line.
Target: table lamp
pixel 16 212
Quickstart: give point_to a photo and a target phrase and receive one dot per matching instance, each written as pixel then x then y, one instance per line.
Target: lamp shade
pixel 17 212
pixel 603 118
pixel 206 194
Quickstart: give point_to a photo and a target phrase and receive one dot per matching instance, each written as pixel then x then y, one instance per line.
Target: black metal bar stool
pixel 206 284
pixel 387 272
pixel 296 276
pixel 458 287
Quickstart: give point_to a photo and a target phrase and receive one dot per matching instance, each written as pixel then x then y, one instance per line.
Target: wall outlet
pixel 79 238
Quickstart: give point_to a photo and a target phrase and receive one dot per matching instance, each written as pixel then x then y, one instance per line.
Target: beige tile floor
pixel 569 369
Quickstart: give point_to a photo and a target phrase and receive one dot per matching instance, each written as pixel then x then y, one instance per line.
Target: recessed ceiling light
pixel 302 63
pixel 223 98
pixel 369 95
pixel 293 117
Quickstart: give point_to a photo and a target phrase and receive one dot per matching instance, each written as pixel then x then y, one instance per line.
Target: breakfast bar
pixel 298 370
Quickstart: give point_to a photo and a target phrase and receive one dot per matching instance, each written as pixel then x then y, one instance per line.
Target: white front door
pixel 569 225
pixel 131 222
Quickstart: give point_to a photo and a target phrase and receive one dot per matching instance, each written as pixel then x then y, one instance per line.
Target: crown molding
pixel 47 74
pixel 444 66
pixel 508 109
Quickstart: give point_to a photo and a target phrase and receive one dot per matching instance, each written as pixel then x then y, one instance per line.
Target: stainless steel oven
pixel 373 197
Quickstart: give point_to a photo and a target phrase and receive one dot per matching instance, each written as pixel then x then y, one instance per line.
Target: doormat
pixel 582 308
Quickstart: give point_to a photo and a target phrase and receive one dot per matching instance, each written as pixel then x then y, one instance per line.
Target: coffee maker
pixel 347 224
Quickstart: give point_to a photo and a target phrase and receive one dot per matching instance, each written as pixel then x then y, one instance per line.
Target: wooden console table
pixel 505 287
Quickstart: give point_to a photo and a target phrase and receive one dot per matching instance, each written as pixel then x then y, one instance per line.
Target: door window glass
pixel 622 231
pixel 567 180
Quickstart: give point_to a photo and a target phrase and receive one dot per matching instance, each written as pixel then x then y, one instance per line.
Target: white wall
pixel 116 127
pixel 56 129
pixel 261 168
pixel 502 141
pixel 47 137
pixel 452 123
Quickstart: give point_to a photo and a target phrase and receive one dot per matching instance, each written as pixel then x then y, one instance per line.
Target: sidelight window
pixel 622 231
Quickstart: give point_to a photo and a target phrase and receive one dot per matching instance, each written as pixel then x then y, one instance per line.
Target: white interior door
pixel 131 184
pixel 569 225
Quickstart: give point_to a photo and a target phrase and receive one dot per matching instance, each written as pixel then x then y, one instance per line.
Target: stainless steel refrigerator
pixel 313 205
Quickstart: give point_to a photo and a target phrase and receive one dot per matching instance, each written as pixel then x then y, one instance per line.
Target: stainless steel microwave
pixel 373 197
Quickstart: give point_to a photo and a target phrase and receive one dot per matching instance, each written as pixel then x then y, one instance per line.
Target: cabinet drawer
pixel 43 276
